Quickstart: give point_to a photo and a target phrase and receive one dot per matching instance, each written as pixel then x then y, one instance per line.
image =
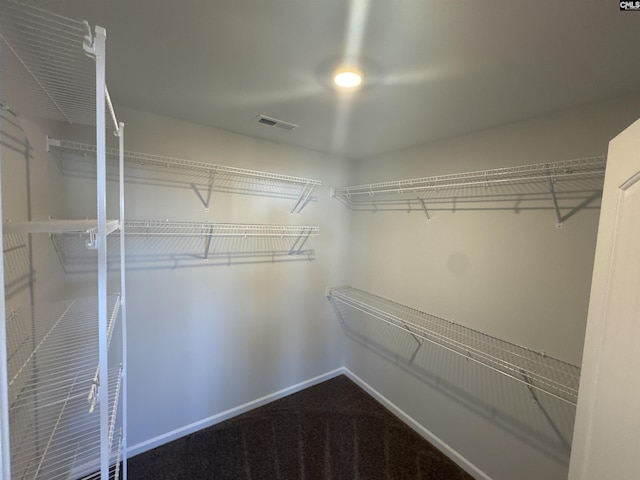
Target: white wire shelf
pixel 58 347
pixel 114 464
pixel 204 178
pixel 566 186
pixel 62 441
pixel 51 377
pixel 18 271
pixel 150 228
pixel 536 370
pixel 49 63
pixel 49 50
pixel 160 244
pixel 88 229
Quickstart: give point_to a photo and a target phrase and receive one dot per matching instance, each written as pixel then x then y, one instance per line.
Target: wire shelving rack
pixel 52 372
pixel 536 370
pixel 565 186
pixel 155 243
pixel 55 382
pixel 202 177
pixel 151 228
pixel 55 75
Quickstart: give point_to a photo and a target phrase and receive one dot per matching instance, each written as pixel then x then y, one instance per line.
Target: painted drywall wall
pixel 208 337
pixel 510 274
pixel 204 339
pixel 32 189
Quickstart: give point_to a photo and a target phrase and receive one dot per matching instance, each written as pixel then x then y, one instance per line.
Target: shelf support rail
pixel 122 448
pixel 92 397
pixel 5 451
pixel 101 205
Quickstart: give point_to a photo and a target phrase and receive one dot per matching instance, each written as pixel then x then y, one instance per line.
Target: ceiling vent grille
pixel 274 122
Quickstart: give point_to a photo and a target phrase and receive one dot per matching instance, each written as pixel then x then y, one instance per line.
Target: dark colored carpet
pixel 332 431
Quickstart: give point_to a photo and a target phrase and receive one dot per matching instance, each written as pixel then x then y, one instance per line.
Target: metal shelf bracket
pixel 554 197
pixel 424 207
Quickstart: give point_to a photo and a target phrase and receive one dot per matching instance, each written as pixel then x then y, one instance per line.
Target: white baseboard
pixel 465 464
pixel 232 412
pixel 456 457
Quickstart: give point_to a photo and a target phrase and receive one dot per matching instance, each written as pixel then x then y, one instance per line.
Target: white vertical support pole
pixel 5 453
pixel 123 303
pixel 101 180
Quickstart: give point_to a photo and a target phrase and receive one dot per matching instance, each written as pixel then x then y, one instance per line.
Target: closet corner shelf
pixel 203 177
pixel 536 370
pixel 576 182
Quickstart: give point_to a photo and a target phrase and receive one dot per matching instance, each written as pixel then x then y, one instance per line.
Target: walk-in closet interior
pixel 197 222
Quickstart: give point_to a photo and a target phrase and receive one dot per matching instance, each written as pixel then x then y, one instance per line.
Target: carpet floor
pixel 331 431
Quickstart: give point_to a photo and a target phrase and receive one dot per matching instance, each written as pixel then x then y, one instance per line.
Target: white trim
pixel 227 414
pixel 456 457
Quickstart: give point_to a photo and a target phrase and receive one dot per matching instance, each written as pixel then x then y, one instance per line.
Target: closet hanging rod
pixel 143 159
pixel 582 167
pixel 536 370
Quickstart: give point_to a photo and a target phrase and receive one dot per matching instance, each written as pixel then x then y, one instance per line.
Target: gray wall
pixel 206 338
pixel 511 275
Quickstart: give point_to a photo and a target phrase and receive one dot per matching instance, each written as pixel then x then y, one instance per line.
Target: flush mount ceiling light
pixel 347 79
pixel 348 75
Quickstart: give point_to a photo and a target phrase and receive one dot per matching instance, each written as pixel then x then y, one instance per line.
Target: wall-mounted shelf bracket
pixel 92 242
pixel 207 203
pixel 554 197
pixel 424 207
pixel 303 198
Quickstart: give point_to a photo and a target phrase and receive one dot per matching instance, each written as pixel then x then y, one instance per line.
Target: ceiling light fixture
pixel 347 79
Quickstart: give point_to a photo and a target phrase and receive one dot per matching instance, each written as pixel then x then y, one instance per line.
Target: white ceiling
pixel 437 68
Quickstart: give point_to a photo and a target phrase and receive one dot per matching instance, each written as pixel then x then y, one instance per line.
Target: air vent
pixel 274 122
